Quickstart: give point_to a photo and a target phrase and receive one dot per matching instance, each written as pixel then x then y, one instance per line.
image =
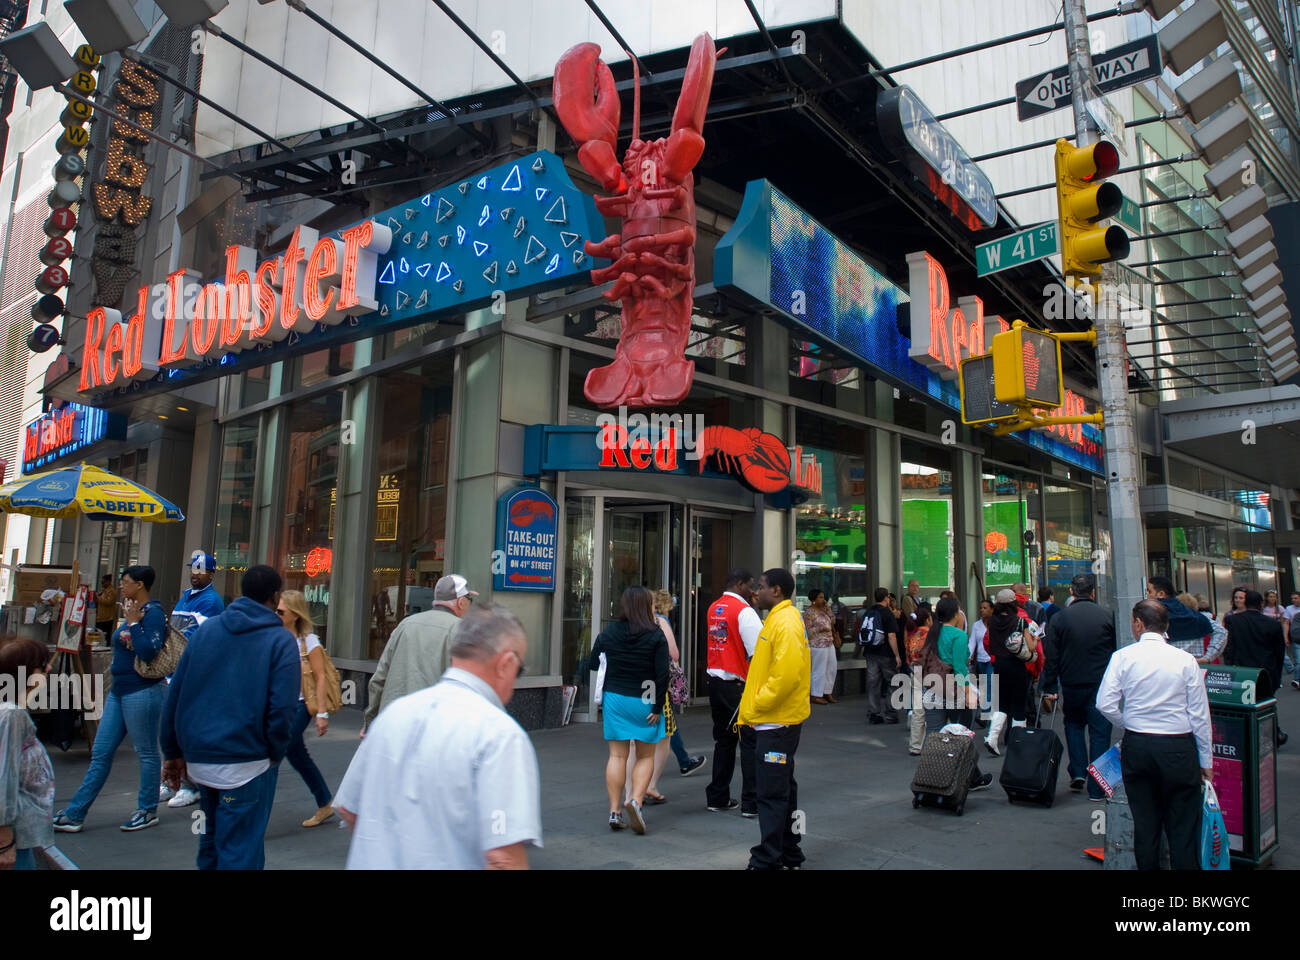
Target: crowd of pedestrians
pixel 445 777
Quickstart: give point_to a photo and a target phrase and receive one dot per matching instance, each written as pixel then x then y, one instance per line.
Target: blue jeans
pixel 301 760
pixel 134 713
pixel 234 824
pixel 678 747
pixel 1087 733
pixel 986 672
pixel 1291 661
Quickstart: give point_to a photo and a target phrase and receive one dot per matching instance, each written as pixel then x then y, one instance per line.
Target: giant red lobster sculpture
pixel 654 192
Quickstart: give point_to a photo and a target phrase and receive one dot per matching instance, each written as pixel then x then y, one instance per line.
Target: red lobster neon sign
pixel 654 192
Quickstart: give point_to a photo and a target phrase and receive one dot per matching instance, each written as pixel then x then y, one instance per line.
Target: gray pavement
pixel 853 785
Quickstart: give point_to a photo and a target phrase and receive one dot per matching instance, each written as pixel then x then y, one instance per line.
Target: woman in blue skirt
pixel 636 680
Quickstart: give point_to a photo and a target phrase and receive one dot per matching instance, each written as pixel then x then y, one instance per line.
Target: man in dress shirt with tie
pixel 1156 693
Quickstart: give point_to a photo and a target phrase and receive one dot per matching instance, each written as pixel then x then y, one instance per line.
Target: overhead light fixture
pixel 1244 207
pixel 38 57
pixel 107 25
pixel 162 416
pixel 1224 134
pixel 1257 259
pixel 1249 236
pixel 1193 35
pixel 1210 89
pixel 1227 177
pixel 179 407
pixel 186 13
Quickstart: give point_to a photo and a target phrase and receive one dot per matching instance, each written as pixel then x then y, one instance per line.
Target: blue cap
pixel 208 561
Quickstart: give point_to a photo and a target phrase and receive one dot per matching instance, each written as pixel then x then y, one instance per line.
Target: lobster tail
pixel 579 75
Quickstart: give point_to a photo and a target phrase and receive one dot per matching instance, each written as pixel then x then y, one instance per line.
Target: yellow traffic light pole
pixel 1028 421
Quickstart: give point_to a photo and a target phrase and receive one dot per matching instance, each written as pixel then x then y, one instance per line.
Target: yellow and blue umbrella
pixel 87 490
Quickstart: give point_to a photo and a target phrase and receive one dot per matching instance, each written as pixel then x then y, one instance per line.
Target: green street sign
pixel 1130 215
pixel 1016 249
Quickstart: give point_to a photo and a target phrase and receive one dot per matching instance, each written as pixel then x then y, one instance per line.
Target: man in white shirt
pixel 446 779
pixel 1156 693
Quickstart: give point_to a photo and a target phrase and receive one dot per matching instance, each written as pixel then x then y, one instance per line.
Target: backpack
pixel 333 686
pixel 871 631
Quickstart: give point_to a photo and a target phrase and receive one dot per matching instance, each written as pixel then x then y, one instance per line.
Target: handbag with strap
pixel 1017 643
pixel 169 655
pixel 679 690
pixel 333 685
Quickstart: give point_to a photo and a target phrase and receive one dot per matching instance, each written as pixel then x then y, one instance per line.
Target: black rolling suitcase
pixel 1032 763
pixel 943 771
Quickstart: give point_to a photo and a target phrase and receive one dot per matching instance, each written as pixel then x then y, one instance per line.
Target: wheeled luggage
pixel 943 771
pixel 1032 763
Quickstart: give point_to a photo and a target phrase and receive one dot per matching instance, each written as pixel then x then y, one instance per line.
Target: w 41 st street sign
pixel 1016 249
pixel 1114 69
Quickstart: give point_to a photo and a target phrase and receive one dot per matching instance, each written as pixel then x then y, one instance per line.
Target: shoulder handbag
pixel 169 656
pixel 1017 644
pixel 333 686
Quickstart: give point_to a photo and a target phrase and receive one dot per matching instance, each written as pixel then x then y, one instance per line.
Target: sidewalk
pixel 853 785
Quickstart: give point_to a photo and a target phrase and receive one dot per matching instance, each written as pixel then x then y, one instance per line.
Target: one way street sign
pixel 1115 69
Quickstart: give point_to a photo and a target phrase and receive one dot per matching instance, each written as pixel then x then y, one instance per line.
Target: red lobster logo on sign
pixel 524 512
pixel 654 192
pixel 759 459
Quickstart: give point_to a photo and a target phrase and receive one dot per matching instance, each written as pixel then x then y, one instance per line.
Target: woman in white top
pixel 297 620
pixel 978 631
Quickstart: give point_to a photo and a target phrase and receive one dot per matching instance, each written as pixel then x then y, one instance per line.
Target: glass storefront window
pixel 312 368
pixel 926 483
pixel 830 528
pixel 235 495
pixel 120 543
pixel 411 497
pixel 579 570
pixel 310 475
pixel 256 386
pixel 1183 474
pixel 1067 536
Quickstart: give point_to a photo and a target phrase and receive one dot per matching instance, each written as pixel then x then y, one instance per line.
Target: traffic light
pixel 1084 198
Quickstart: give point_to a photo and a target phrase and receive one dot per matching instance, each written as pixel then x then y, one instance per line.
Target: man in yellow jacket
pixel 775 704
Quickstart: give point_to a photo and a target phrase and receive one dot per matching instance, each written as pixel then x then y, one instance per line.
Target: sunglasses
pixel 522 669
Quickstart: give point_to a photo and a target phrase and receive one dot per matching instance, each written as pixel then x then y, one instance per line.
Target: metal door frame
pixel 690 598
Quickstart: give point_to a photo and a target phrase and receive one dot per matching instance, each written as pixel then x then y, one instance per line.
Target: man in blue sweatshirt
pixel 228 721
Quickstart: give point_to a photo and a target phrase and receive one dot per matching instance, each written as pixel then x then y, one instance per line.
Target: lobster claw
pixel 579 75
pixel 685 143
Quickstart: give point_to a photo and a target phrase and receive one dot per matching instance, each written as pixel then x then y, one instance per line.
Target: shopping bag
pixel 1214 833
pixel 1106 771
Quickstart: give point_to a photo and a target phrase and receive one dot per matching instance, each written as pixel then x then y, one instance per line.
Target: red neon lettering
pixel 354 238
pixel 209 311
pixel 112 347
pixel 238 299
pixel 267 275
pixel 288 297
pixel 322 263
pixel 939 349
pixel 31 449
pixel 90 351
pixel 134 338
pixel 639 453
pixel 175 308
pixel 612 439
pixel 958 336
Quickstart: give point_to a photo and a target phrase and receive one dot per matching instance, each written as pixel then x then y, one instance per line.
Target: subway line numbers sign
pixel 526 543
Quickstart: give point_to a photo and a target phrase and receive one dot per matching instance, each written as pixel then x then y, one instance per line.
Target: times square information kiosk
pixel 1243 712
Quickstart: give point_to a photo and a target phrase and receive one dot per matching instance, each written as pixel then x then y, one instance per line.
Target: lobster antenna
pixel 636 97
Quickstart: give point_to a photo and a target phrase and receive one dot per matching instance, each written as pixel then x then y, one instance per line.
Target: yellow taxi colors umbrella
pixel 87 490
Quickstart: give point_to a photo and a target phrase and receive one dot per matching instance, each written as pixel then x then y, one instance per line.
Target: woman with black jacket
pixel 636 680
pixel 1013 678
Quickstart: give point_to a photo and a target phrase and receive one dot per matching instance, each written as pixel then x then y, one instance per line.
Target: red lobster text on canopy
pixel 316 280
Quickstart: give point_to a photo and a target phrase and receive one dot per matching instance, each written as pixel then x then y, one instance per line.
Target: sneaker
pixel 634 817
pixel 141 819
pixel 1077 784
pixel 892 718
pixel 616 822
pixel 694 764
pixel 749 814
pixel 184 797
pixel 1295 684
pixel 914 753
pixel 64 824
pixel 875 718
pixel 724 807
pixel 982 782
pixel 165 793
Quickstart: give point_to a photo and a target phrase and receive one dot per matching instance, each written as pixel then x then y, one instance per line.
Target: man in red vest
pixel 734 627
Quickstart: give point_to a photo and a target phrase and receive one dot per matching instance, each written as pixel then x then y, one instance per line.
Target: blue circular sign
pixel 42 338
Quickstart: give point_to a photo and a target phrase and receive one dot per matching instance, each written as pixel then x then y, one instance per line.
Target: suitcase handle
pixel 1056 707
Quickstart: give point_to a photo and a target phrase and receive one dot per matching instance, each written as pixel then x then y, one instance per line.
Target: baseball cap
pixel 205 561
pixel 1005 595
pixel 452 587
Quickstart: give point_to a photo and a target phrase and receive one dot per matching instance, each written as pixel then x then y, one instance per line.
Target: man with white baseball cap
pixel 419 651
